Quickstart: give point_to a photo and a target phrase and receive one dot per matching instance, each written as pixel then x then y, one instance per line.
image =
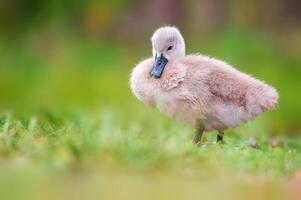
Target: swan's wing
pixel 239 96
pixel 229 85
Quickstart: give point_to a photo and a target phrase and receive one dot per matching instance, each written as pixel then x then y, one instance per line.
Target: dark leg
pixel 220 136
pixel 199 132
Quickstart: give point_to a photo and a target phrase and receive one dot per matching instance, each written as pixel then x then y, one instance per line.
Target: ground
pixel 60 153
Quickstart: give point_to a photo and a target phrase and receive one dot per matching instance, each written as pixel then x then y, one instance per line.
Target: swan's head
pixel 167 44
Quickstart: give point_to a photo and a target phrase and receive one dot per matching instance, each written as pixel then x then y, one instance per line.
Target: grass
pixel 64 142
pixel 70 128
pixel 55 149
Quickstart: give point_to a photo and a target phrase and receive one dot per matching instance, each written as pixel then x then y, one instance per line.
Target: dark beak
pixel 159 65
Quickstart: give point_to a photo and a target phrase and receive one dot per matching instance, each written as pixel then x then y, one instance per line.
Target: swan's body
pixel 198 88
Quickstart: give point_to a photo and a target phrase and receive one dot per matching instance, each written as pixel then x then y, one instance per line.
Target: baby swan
pixel 196 89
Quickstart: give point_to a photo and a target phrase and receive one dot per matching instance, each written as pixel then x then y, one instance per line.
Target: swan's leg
pixel 199 132
pixel 220 136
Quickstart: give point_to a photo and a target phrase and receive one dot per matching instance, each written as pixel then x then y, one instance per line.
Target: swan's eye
pixel 169 48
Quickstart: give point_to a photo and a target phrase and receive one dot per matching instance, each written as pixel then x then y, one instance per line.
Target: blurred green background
pixel 66 54
pixel 65 101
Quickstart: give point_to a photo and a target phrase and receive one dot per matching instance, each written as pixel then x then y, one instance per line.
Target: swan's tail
pixel 262 99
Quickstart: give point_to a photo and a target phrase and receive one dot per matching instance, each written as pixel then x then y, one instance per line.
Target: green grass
pixel 70 127
pixel 53 149
pixel 59 142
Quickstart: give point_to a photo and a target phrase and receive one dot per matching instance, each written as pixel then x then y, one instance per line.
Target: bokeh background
pixel 63 54
pixel 69 61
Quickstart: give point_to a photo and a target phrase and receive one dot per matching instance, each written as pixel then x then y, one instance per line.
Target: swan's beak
pixel 159 65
